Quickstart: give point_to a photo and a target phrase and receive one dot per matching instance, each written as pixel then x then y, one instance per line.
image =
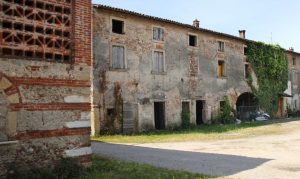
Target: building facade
pixel 45 65
pixel 147 70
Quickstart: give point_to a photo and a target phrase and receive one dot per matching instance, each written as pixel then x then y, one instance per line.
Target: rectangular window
pixel 220 46
pixel 158 34
pixel 117 26
pixel 245 50
pixel 118 57
pixel 192 40
pixel 221 67
pixel 247 70
pixel 222 105
pixel 294 61
pixel 158 61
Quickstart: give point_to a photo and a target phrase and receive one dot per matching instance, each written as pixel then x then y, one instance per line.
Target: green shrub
pixel 226 115
pixel 67 168
pixel 185 116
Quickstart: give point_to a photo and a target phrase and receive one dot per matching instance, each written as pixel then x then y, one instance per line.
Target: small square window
pixel 220 46
pixel 158 34
pixel 158 61
pixel 117 26
pixel 192 40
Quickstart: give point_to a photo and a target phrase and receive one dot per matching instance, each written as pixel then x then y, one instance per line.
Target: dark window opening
pixel 294 61
pixel 192 40
pixel 110 112
pixel 222 105
pixel 185 111
pixel 247 70
pixel 245 50
pixel 200 111
pixel 117 26
pixel 159 115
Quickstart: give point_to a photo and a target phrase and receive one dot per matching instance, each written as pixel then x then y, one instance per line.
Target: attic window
pixel 192 40
pixel 117 26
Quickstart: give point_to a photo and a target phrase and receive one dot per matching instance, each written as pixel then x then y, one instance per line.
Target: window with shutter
pixel 118 57
pixel 221 70
pixel 158 61
pixel 158 34
pixel 220 46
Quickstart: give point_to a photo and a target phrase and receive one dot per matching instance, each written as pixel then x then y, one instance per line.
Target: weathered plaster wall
pixel 191 72
pixel 294 83
pixel 45 106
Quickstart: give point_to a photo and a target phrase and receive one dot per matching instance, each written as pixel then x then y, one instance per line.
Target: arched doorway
pixel 3 116
pixel 245 105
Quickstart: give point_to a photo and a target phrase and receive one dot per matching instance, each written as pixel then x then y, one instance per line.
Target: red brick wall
pixel 43 96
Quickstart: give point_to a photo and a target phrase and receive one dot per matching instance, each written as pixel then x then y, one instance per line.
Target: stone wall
pixel 294 83
pixel 191 72
pixel 45 85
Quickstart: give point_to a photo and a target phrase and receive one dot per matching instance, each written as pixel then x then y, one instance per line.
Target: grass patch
pixel 108 168
pixel 204 132
pixel 102 168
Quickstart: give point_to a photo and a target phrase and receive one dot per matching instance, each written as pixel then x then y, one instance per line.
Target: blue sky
pixel 270 21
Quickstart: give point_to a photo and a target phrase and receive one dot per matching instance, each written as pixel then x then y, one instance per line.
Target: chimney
pixel 291 49
pixel 242 33
pixel 196 23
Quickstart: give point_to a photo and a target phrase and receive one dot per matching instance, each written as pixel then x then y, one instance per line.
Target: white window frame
pixel 164 62
pixel 111 57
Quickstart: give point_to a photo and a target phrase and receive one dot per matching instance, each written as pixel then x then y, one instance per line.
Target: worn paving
pixel 273 156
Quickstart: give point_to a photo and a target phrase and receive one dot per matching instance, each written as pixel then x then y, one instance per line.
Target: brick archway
pixel 10 95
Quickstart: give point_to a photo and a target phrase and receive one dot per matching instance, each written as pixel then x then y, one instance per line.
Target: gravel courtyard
pixel 273 156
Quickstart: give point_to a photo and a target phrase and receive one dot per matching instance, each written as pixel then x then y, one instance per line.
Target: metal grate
pixel 36 29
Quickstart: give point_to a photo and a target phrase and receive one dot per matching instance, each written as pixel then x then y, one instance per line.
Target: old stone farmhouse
pixel 45 64
pixel 148 69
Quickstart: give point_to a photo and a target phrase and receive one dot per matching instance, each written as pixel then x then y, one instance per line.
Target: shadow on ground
pixel 196 162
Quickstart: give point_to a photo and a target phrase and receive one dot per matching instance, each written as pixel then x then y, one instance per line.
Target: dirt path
pixel 273 156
